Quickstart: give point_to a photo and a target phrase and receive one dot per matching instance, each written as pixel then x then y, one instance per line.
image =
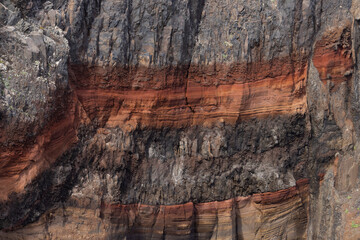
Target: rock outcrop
pixel 179 119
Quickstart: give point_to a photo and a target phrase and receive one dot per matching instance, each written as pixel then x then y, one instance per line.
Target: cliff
pixel 179 119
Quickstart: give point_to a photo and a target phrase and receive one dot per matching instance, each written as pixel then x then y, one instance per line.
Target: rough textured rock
pixel 179 119
pixel 37 109
pixel 279 214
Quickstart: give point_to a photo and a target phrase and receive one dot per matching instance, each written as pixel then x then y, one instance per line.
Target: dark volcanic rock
pixel 179 119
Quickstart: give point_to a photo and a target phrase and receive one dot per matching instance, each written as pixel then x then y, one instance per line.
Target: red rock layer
pixel 168 98
pixel 261 216
pixel 163 97
pixel 21 164
pixel 177 97
pixel 332 56
pixel 273 215
pixel 127 98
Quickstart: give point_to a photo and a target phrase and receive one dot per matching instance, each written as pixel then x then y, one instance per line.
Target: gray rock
pixel 33 74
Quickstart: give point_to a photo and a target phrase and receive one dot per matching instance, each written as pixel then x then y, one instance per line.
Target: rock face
pixel 279 214
pixel 179 119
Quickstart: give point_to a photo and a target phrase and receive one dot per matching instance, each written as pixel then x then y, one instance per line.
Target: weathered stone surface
pixel 33 85
pixel 179 119
pixel 279 214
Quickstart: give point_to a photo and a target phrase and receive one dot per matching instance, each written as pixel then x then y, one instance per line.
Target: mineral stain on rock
pixel 179 119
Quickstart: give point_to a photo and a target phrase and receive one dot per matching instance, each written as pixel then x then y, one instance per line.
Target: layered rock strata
pixel 279 214
pixel 179 119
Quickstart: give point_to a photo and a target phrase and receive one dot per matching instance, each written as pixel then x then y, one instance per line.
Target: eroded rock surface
pixel 179 119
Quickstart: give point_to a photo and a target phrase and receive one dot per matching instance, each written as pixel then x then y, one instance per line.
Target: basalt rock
pixel 179 119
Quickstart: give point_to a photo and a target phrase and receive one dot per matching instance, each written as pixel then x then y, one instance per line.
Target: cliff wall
pixel 179 119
